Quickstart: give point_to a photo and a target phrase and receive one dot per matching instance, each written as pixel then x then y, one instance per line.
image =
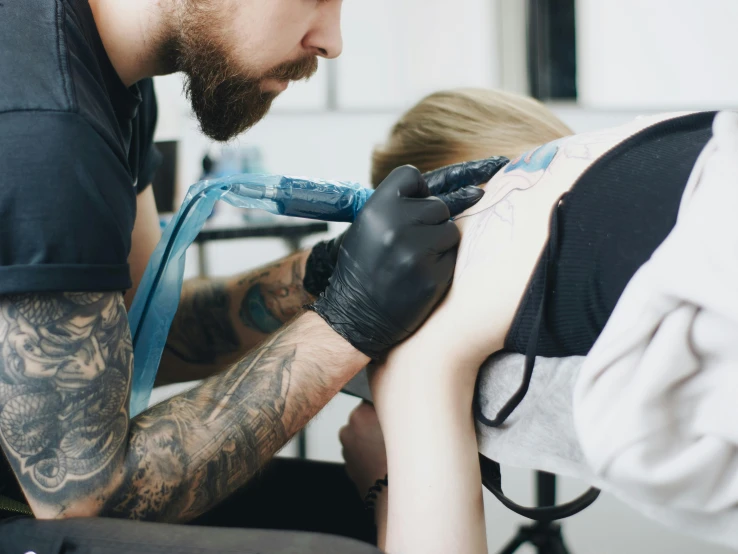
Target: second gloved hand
pixel 394 264
pixel 448 183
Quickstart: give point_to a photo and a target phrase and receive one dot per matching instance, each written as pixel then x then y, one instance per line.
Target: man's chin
pixel 223 127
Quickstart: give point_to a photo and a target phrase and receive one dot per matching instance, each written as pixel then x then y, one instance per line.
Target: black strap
pixel 491 475
pixel 551 256
pixel 374 491
pixel 492 480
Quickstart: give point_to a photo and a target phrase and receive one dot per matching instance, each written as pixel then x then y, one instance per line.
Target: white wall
pixel 397 51
pixel 660 54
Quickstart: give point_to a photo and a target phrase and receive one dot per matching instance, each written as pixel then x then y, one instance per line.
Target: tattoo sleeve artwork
pixel 269 303
pixel 202 329
pixel 65 371
pixel 191 451
pixel 204 332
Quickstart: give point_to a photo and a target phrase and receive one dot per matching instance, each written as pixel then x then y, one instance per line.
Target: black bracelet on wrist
pixel 374 490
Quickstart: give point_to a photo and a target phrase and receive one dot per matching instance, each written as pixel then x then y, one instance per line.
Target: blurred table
pixel 291 230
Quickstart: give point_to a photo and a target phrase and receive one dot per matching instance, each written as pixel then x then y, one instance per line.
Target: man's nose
pixel 324 38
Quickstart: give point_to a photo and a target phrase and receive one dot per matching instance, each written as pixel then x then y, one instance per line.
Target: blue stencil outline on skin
pixel 530 162
pixel 535 160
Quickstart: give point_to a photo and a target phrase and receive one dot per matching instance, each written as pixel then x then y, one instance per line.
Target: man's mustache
pixel 294 71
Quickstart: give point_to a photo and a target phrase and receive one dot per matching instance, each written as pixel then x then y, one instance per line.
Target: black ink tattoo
pixel 202 330
pixel 65 370
pixel 255 314
pixel 251 279
pixel 266 306
pixel 65 374
pixel 190 452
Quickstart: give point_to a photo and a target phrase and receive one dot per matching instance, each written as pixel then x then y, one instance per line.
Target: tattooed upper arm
pixel 65 371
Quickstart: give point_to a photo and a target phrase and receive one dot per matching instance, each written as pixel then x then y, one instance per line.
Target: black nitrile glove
pixel 448 183
pixel 395 263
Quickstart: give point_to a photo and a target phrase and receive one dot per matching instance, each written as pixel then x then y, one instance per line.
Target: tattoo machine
pixel 158 295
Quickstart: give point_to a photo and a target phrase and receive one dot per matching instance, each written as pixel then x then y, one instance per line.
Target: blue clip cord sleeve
pixel 158 295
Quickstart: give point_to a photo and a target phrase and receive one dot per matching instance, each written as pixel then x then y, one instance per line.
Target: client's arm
pixel 423 396
pixel 423 399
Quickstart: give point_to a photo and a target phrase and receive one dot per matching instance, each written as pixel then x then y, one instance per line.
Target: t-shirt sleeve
pixel 149 155
pixel 67 206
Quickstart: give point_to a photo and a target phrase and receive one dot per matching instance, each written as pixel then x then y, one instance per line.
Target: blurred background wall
pixel 597 63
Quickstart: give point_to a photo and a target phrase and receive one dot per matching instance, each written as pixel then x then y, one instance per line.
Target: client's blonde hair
pixel 465 124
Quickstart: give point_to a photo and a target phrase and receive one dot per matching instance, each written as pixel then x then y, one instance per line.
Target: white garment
pixel 656 401
pixel 539 433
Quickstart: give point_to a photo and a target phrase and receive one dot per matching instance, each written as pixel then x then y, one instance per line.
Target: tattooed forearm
pixel 194 450
pixel 268 304
pixel 218 322
pixel 202 330
pixel 190 452
pixel 64 373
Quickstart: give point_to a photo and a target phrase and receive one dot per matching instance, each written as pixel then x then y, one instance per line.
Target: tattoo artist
pixel 77 226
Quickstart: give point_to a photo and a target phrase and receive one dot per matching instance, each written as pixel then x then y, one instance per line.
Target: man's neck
pixel 135 34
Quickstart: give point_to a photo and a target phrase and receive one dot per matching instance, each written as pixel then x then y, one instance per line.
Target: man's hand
pixel 395 263
pixel 366 460
pixel 447 183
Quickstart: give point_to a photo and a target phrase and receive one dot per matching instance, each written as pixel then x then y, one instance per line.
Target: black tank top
pixel 605 228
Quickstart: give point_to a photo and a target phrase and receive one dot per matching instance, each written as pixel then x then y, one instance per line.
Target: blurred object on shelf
pixel 165 177
pixel 234 160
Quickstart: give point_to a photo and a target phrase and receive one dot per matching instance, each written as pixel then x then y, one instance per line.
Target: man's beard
pixel 227 100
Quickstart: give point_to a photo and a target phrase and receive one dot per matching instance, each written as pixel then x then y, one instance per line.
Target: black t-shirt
pixel 76 146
